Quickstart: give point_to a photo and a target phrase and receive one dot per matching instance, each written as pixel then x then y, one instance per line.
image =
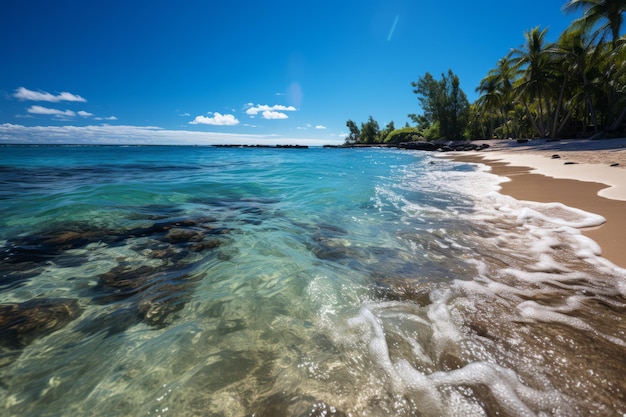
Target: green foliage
pixel 572 87
pixel 386 131
pixel 406 134
pixel 609 13
pixel 370 131
pixel 445 106
pixel 355 134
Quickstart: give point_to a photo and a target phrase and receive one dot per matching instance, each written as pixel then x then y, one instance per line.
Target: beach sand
pixel 581 177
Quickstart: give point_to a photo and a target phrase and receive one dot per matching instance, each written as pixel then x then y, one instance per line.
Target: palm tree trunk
pixel 532 119
pixel 565 120
pixel 542 126
pixel 590 106
pixel 555 131
pixel 618 121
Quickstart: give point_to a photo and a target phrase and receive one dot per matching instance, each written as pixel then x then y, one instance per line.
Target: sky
pixel 234 72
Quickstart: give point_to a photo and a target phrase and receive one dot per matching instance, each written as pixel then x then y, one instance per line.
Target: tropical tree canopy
pixel 572 87
pixel 608 14
pixel 443 103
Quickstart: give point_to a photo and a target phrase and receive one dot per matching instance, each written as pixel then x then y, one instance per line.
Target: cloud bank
pixel 218 119
pixel 135 135
pixel 268 112
pixel 26 94
pixel 50 112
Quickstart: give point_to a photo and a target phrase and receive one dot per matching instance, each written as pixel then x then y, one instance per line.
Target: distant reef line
pixel 439 146
pixel 433 146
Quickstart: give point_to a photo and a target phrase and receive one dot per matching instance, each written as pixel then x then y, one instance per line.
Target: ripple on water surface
pixel 265 282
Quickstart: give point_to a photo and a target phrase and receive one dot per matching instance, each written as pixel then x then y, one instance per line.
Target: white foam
pixel 550 260
pixel 436 392
pixel 533 310
pixel 512 395
pixel 562 215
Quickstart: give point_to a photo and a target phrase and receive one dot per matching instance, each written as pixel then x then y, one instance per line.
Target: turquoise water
pixel 199 281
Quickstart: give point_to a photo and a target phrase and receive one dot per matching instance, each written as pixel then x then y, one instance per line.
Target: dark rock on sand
pixel 443 146
pixel 22 323
pixel 419 146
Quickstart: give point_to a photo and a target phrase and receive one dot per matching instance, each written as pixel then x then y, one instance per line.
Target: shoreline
pixel 581 177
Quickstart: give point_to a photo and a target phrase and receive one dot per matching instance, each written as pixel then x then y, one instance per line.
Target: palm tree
pixel 580 57
pixel 533 60
pixel 613 86
pixel 596 11
pixel 620 59
pixel 497 91
pixel 489 101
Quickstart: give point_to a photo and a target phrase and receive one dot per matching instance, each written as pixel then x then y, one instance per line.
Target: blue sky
pixel 272 72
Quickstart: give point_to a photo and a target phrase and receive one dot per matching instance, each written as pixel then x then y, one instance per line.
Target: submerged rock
pixel 152 294
pixel 418 293
pixel 22 323
pixel 148 293
pixel 301 405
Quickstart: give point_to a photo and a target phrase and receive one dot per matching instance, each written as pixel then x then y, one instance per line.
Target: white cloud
pixel 26 94
pixel 268 112
pixel 50 112
pixel 84 113
pixel 274 115
pixel 309 125
pixel 218 119
pixel 106 118
pixel 138 135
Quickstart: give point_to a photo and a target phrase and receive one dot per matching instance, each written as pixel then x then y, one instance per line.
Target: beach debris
pixel 556 156
pixel 22 323
pixel 614 164
pixel 570 163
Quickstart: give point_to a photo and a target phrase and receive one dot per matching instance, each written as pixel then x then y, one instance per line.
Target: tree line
pixel 574 87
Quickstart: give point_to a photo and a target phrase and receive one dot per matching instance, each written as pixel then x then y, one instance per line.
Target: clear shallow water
pixel 191 281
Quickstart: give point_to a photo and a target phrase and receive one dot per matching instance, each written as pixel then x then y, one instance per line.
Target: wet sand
pixel 590 183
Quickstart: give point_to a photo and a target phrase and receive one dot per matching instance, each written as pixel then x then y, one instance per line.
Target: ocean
pixel 207 281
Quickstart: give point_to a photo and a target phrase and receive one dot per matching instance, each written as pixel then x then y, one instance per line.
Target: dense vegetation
pixel 574 87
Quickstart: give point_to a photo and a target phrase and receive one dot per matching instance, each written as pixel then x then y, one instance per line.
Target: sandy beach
pixel 589 175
